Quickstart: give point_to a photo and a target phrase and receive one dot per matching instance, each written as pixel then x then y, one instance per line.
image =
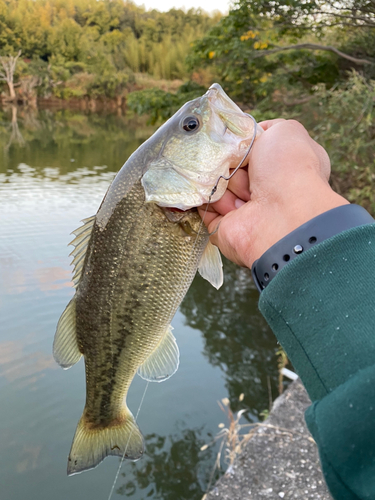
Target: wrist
pixel 276 220
pixel 302 239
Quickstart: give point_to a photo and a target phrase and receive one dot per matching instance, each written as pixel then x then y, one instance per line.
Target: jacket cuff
pixel 314 231
pixel 321 311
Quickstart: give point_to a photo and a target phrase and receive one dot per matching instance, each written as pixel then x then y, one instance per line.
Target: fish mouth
pixel 220 99
pixel 234 119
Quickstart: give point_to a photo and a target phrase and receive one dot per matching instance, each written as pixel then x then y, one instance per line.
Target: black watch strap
pixel 311 233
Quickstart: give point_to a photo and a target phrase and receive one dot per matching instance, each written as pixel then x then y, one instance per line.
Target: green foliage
pixel 342 120
pixel 109 84
pixel 160 105
pixel 244 47
pixel 106 39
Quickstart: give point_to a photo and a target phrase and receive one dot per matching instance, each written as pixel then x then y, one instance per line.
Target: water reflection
pixel 20 362
pixel 64 138
pixel 15 134
pixel 236 337
pixel 49 181
pixel 174 468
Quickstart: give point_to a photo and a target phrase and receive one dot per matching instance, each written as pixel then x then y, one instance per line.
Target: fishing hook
pixel 214 189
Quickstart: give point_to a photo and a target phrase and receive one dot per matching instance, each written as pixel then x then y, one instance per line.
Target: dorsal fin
pixel 211 266
pixel 80 243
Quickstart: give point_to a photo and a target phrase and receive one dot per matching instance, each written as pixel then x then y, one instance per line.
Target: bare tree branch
pixel 9 66
pixel 367 20
pixel 313 46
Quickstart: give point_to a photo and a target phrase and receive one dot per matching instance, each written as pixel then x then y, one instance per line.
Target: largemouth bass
pixel 134 262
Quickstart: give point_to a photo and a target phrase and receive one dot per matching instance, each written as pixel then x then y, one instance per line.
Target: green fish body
pixel 134 262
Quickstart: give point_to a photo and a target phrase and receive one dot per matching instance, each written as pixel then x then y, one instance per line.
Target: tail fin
pixel 91 445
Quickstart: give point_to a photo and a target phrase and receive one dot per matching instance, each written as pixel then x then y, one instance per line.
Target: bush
pixel 160 105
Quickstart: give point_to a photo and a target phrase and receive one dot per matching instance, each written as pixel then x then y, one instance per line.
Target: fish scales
pixel 134 262
pixel 121 322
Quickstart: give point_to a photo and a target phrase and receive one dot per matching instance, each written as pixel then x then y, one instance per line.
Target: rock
pixel 280 460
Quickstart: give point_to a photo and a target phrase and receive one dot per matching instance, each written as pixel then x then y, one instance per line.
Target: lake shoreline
pixel 82 104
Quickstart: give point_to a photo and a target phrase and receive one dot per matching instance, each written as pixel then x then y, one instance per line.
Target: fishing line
pixel 191 256
pixel 241 162
pixel 214 189
pixel 127 444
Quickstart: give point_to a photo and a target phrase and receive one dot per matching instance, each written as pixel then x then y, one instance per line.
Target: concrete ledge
pixel 279 461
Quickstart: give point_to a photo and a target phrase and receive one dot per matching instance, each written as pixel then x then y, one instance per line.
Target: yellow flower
pixel 247 35
pixel 211 54
pixel 260 45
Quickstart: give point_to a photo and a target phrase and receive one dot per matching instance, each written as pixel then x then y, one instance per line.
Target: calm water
pixel 54 170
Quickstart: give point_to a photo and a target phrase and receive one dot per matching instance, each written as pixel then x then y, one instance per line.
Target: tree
pixel 7 75
pixel 268 46
pixel 296 15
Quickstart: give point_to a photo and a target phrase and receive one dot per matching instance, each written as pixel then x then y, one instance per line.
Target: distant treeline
pixel 313 61
pixel 76 48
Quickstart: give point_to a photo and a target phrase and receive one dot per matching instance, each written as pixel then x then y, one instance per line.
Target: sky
pixel 164 5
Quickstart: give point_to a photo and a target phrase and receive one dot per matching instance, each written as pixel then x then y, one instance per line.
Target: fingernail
pixel 238 203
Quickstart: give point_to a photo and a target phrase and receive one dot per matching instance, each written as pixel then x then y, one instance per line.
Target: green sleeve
pixel 321 307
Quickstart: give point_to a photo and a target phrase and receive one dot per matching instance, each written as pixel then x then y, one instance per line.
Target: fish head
pixel 201 142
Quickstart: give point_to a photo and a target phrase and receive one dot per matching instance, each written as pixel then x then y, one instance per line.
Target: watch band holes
pixel 286 257
pixel 312 240
pixel 275 267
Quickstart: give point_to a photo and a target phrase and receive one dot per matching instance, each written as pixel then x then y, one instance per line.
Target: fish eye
pixel 190 123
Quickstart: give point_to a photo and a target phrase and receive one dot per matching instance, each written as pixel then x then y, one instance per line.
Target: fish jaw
pixel 190 164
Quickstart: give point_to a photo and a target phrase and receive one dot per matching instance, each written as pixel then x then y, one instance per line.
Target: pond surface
pixel 55 168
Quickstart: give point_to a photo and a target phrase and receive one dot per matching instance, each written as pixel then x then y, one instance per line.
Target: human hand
pixel 284 185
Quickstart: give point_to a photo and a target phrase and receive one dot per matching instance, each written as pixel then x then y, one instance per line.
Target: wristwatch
pixel 303 238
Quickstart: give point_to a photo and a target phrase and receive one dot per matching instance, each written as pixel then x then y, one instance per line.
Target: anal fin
pixel 163 361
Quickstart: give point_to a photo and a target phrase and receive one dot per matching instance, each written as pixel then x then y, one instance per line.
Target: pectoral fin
pixel 65 346
pixel 163 361
pixel 211 266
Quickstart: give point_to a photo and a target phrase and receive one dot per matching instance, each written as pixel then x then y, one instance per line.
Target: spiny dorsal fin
pixel 211 266
pixel 163 361
pixel 80 243
pixel 65 347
